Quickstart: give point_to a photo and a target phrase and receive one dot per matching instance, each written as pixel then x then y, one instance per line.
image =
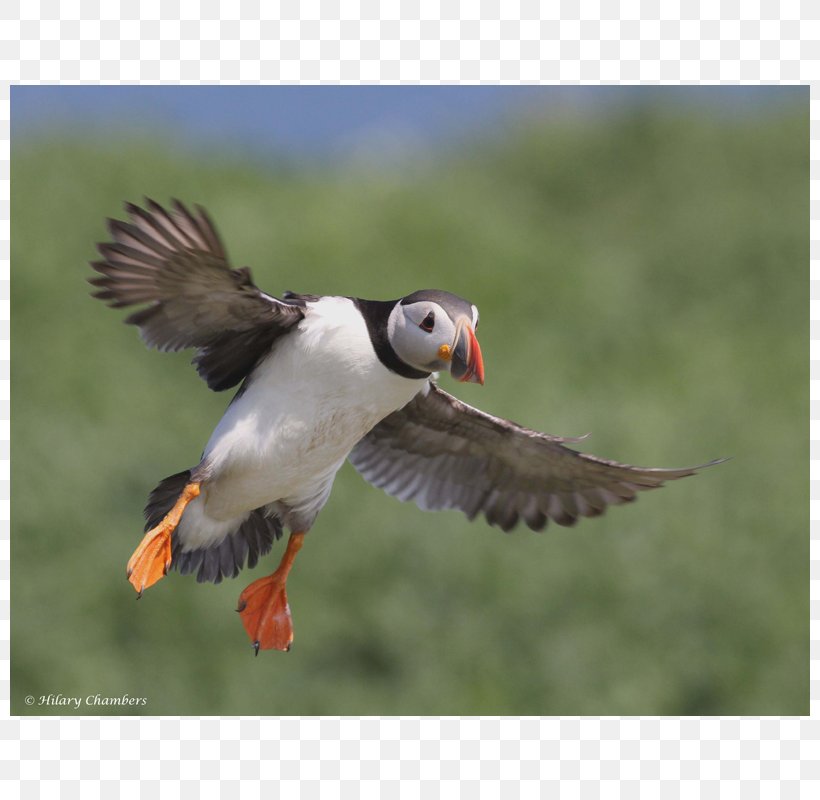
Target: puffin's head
pixel 433 331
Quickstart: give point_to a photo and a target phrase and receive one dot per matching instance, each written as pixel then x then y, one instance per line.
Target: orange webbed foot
pixel 151 560
pixel 265 613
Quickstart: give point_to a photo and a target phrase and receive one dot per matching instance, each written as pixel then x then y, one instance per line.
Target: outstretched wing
pixel 442 453
pixel 173 262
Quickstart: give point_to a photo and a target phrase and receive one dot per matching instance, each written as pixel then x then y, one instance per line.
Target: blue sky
pixel 333 121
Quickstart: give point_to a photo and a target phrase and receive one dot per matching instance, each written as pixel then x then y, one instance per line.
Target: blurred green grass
pixel 640 275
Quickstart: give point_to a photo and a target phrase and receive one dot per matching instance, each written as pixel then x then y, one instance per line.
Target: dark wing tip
pixel 715 461
pixel 687 471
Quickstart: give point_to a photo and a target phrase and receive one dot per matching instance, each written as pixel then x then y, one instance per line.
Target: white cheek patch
pixel 405 336
pixel 412 344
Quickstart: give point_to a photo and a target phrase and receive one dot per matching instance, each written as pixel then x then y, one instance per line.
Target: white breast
pixel 309 403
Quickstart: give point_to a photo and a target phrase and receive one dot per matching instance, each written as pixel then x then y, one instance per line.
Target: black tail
pixel 252 539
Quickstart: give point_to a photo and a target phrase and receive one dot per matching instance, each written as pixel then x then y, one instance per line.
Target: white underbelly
pixel 263 458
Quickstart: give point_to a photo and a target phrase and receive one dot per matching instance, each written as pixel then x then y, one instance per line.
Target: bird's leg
pixel 152 558
pixel 264 608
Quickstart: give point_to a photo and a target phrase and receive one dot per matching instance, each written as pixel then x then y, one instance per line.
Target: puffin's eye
pixel 428 322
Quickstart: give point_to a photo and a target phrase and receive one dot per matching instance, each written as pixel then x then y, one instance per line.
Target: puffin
pixel 323 380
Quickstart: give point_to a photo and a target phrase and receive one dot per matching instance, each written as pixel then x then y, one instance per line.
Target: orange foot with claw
pixel 264 608
pixel 152 559
pixel 265 613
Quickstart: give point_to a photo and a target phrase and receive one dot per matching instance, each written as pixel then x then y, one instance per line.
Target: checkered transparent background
pixel 527 41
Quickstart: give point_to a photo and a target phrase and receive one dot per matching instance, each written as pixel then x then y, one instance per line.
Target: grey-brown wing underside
pixel 442 453
pixel 174 264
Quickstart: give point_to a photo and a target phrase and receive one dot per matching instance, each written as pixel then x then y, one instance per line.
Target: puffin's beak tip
pixel 468 353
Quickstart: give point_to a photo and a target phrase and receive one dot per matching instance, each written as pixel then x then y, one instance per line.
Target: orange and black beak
pixel 467 363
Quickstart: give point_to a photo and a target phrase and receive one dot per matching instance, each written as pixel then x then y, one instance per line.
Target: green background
pixel 641 275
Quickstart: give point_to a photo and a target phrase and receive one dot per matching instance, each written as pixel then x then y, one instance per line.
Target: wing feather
pixel 442 453
pixel 174 264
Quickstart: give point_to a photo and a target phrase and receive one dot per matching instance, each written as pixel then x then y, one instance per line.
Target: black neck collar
pixel 376 313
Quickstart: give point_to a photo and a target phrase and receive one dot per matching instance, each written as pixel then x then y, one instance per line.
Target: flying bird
pixel 322 380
